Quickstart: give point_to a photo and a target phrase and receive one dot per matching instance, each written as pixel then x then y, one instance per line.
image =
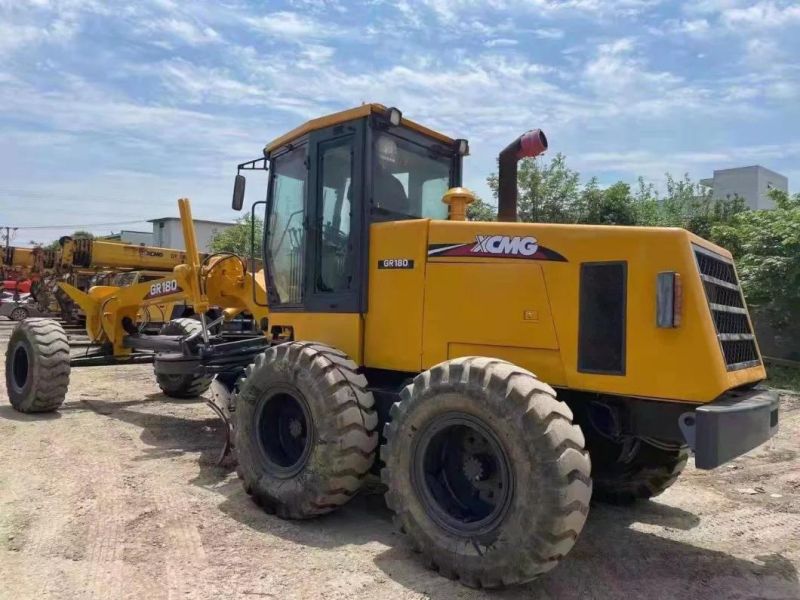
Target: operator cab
pixel 329 180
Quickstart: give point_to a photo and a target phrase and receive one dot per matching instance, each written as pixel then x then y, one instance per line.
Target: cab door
pixel 316 239
pixel 337 236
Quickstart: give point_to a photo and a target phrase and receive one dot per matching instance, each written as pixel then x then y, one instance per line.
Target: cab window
pixel 286 237
pixel 334 260
pixel 409 179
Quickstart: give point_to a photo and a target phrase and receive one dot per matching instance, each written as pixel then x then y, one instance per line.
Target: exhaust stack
pixel 530 144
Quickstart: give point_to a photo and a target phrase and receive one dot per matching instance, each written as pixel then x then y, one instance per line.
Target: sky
pixel 110 111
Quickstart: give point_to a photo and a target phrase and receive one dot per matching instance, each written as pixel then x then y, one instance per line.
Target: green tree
pixel 548 193
pixel 766 244
pixel 646 203
pixel 611 206
pixel 481 211
pixel 236 238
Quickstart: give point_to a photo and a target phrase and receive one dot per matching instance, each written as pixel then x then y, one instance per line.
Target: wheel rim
pixel 461 474
pixel 18 314
pixel 20 367
pixel 285 432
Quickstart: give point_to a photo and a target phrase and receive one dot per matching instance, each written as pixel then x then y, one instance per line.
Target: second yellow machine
pixel 384 317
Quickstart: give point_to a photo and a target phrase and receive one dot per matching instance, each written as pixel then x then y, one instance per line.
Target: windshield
pixel 286 235
pixel 125 279
pixel 409 180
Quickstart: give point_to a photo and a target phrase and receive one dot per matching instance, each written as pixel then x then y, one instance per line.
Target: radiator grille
pixel 724 295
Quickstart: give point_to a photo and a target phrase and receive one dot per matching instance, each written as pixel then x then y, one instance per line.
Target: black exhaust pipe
pixel 528 145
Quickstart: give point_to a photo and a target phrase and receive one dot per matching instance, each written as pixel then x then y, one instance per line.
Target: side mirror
pixel 238 192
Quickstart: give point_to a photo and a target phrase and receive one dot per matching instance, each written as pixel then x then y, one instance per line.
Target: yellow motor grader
pixel 510 370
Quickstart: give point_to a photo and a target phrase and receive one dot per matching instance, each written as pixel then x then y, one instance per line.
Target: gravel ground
pixel 117 496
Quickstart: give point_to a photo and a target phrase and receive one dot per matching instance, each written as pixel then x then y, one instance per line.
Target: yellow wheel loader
pixel 506 368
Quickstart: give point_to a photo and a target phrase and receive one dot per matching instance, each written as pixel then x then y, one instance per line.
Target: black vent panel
pixel 725 299
pixel 601 328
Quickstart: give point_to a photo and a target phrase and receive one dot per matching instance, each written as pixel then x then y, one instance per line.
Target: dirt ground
pixel 117 496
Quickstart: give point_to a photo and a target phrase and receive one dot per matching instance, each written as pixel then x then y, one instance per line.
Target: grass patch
pixel 785 378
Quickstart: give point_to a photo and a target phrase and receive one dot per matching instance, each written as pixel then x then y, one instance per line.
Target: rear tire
pixel 37 366
pixel 181 386
pixel 486 472
pixel 624 473
pixel 304 429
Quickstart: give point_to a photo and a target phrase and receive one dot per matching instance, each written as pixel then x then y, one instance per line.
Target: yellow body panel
pixel 393 329
pixel 469 304
pixel 340 330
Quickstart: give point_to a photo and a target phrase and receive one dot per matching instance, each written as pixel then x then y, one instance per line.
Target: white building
pixel 750 183
pixel 167 232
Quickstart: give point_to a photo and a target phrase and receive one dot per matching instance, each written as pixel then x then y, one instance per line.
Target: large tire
pixel 181 386
pixel 37 366
pixel 304 428
pixel 626 472
pixel 488 424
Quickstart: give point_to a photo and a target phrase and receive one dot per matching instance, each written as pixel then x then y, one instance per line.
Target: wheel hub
pixel 462 474
pixel 20 367
pixel 295 428
pixel 285 432
pixel 477 467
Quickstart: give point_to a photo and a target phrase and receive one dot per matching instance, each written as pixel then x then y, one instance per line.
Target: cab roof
pixel 348 115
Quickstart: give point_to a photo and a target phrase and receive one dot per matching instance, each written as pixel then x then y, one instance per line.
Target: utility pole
pixel 7 253
pixel 8 238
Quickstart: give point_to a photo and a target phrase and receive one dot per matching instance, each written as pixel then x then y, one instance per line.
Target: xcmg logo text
pixel 503 244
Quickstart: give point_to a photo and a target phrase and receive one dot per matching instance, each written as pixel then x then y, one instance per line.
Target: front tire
pixel 37 366
pixel 486 472
pixel 190 385
pixel 304 429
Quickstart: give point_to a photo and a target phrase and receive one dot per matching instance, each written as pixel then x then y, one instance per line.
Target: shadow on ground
pixel 169 436
pixel 7 412
pixel 612 559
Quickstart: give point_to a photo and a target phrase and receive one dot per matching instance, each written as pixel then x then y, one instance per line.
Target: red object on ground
pixel 23 286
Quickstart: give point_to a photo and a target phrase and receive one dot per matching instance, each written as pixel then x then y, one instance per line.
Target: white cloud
pixel 649 161
pixel 15 36
pixel 198 85
pixel 617 71
pixel 549 33
pixel 692 27
pixel 317 53
pixel 184 31
pixel 288 24
pixel 762 15
pixel 761 52
pixel 500 42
